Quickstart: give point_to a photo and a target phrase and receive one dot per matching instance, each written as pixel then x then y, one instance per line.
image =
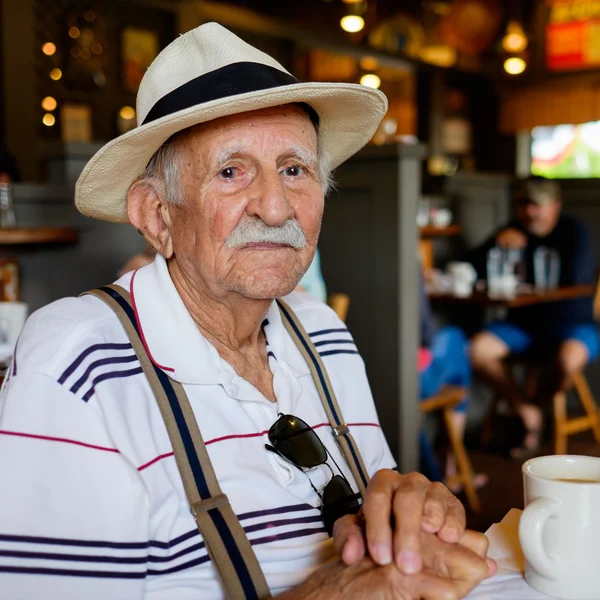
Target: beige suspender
pixel 225 539
pixel 340 430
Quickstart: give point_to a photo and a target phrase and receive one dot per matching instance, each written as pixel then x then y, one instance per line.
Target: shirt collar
pixel 174 342
pixel 282 344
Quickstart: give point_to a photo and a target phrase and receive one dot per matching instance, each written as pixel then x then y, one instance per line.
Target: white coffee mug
pixel 559 530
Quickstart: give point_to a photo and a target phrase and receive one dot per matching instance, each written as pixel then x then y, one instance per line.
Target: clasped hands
pixel 414 531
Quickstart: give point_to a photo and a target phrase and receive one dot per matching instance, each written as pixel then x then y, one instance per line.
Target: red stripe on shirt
pixel 137 318
pixel 247 435
pixel 57 439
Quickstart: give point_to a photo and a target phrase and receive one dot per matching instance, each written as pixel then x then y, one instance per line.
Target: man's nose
pixel 270 200
pixel 532 210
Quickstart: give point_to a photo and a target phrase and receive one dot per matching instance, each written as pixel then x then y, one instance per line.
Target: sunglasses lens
pixel 338 500
pixel 296 441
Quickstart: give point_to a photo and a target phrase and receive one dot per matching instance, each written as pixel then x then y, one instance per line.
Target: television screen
pixel 566 151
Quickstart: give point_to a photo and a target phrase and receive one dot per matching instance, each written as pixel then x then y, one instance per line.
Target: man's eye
pixel 293 171
pixel 227 173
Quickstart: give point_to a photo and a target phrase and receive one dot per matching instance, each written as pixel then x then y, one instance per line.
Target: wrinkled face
pixel 538 219
pixel 243 178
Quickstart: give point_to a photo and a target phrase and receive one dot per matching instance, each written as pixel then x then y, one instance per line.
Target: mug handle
pixel 531 530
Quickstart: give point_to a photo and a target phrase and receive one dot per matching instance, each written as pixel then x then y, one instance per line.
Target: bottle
pixel 553 269
pixel 494 272
pixel 540 268
pixel 7 213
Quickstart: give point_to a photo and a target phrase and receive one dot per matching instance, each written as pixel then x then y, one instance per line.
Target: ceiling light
pixel 352 23
pixel 48 120
pixel 55 74
pixel 127 113
pixel 49 48
pixel 514 40
pixel 49 103
pixel 370 80
pixel 514 65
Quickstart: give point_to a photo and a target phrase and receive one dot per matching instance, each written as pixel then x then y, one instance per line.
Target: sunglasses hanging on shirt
pixel 296 441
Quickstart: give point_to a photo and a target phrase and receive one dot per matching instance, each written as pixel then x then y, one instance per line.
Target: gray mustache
pixel 253 230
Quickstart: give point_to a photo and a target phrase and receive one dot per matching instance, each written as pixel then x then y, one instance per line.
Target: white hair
pixel 163 171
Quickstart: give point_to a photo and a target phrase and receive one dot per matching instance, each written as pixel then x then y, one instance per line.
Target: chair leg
pixel 588 402
pixel 464 464
pixel 487 431
pixel 560 419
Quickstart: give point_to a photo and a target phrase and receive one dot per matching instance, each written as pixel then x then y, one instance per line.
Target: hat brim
pixel 349 115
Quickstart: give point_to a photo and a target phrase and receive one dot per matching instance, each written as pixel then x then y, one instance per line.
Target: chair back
pixel 340 304
pixel 597 300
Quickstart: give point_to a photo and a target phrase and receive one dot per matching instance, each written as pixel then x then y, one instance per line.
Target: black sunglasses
pixel 297 442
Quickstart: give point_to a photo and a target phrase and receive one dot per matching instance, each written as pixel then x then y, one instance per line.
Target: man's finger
pixel 466 566
pixel 377 514
pixel 478 543
pixel 475 541
pixel 408 505
pixel 436 505
pixel 431 587
pixel 348 540
pixel 492 567
pixel 455 523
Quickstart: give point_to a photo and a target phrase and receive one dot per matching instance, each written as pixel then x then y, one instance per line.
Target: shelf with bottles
pixel 37 235
pixel 11 235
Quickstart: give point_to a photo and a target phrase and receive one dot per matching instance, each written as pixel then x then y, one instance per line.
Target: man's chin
pixel 267 288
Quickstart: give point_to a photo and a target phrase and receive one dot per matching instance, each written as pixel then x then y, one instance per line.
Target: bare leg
pixel 571 358
pixel 488 354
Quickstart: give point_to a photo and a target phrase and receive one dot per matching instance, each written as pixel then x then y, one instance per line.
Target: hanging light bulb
pixel 352 23
pixel 514 65
pixel 514 39
pixel 370 80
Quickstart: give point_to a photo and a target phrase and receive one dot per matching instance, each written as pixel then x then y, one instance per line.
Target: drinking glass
pixel 546 269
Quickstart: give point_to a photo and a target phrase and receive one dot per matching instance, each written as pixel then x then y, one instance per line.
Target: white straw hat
pixel 209 73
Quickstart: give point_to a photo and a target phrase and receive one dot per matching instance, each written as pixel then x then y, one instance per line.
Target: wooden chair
pixel 446 400
pixel 563 425
pixel 340 304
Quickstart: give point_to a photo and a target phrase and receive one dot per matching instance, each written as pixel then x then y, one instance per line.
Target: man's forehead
pixel 289 117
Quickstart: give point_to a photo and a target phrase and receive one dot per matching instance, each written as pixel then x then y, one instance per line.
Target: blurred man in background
pixel 566 328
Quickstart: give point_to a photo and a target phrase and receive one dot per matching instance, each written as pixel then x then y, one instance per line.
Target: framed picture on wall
pixel 139 47
pixel 76 122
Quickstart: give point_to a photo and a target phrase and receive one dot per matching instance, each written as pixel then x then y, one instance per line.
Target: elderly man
pixel 171 436
pixel 566 329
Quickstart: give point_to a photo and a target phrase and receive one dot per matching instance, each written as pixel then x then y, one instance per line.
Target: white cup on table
pixel 559 530
pixel 463 276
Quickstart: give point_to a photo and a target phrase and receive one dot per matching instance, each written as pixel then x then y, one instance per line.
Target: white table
pixel 508 583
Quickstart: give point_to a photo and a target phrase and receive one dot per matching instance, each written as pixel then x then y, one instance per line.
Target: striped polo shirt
pixel 91 502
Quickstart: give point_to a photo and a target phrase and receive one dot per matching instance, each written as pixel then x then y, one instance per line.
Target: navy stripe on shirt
pixel 32 559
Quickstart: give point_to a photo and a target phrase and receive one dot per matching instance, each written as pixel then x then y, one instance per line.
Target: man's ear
pixel 149 213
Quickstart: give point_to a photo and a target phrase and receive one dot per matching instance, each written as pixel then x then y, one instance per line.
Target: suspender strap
pixel 340 430
pixel 224 537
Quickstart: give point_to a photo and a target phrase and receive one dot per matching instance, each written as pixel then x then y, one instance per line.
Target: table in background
pixel 481 298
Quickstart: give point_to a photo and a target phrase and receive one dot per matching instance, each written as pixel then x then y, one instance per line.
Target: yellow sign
pixel 567 11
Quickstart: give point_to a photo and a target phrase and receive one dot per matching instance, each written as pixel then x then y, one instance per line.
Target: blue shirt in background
pixel 313 281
